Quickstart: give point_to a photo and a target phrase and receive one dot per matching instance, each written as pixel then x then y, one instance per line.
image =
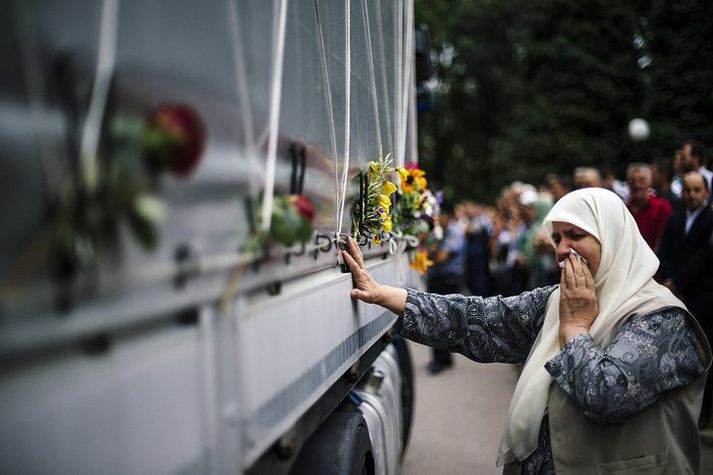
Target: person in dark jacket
pixel 446 274
pixel 686 256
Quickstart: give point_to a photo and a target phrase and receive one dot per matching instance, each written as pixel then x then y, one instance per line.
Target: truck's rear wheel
pixel 341 445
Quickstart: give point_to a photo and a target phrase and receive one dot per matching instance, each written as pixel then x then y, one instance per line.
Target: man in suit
pixel 686 255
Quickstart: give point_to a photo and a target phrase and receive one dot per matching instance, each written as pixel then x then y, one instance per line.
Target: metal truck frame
pixel 200 355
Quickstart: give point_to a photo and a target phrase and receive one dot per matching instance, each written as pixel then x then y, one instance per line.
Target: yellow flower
pixel 387 224
pixel 403 173
pixel 373 166
pixel 415 181
pixel 421 262
pixel 385 202
pixel 388 188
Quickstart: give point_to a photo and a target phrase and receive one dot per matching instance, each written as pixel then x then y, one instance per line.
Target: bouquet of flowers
pixel 416 208
pixel 371 213
pixel 291 222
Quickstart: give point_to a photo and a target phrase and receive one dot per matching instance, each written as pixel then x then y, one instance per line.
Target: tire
pixel 341 445
pixel 408 392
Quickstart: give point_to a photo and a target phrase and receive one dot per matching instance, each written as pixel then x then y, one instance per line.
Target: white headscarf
pixel 624 286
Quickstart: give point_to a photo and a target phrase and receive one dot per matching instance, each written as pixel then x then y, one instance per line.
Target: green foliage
pixel 287 225
pixel 531 87
pixel 371 214
pixel 679 41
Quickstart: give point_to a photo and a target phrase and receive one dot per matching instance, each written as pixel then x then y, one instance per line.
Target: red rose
pixel 181 138
pixel 304 206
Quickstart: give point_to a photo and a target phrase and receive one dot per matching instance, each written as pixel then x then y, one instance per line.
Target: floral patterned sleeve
pixel 492 329
pixel 652 353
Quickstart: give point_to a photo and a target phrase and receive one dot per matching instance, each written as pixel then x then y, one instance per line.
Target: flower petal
pixel 388 188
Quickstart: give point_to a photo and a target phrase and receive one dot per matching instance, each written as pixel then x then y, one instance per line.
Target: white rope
pixel 243 93
pixel 406 84
pixel 372 75
pixel 412 120
pixel 347 112
pixel 330 116
pixel 102 79
pixel 398 77
pixel 274 118
pixel 264 135
pixel 384 81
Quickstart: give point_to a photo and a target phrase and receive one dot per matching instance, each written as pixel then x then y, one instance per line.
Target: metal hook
pixel 187 263
pixel 299 160
pixel 289 254
pixel 325 247
pixel 274 288
pixel 303 167
pixel 293 174
pixel 340 241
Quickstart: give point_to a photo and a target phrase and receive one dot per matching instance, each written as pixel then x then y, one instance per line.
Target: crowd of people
pixel 505 249
pixel 599 290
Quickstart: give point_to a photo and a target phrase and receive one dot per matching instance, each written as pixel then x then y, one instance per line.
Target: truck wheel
pixel 341 445
pixel 407 389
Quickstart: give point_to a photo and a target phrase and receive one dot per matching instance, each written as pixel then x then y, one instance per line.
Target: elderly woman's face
pixel 568 236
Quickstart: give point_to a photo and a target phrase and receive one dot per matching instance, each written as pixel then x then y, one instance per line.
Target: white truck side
pixel 199 356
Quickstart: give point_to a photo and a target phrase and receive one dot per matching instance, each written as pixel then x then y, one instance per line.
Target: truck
pixel 147 325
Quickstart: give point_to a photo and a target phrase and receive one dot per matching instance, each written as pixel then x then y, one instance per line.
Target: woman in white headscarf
pixel 614 363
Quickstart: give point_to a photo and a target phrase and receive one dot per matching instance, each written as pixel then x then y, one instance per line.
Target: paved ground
pixel 459 416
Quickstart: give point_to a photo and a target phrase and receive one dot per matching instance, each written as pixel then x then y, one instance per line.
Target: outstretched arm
pixel 493 329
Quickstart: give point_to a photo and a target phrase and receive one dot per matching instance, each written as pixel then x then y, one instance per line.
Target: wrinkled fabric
pixel 651 353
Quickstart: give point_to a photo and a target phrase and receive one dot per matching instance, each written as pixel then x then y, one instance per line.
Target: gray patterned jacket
pixel 652 353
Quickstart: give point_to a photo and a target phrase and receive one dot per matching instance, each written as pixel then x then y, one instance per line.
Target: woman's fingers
pixel 355 252
pixel 577 266
pixel 588 277
pixel 569 273
pixel 576 274
pixel 364 286
pixel 353 265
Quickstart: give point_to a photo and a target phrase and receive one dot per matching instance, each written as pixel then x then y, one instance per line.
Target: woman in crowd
pixel 614 363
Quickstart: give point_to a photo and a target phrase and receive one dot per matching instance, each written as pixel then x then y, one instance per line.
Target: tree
pixel 678 42
pixel 580 85
pixel 526 88
pixel 474 64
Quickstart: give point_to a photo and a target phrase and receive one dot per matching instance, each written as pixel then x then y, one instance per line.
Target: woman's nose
pixel 562 250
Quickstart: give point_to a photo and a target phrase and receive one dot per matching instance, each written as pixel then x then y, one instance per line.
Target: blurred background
pixel 524 88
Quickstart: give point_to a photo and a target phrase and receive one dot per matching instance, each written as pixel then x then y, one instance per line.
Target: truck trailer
pixel 148 322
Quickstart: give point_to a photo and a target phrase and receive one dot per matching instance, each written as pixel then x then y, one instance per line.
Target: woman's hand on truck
pixel 366 288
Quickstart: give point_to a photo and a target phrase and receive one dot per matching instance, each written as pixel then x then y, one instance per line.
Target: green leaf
pixel 285 223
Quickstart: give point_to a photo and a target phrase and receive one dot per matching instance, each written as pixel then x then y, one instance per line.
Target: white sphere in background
pixel 638 130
